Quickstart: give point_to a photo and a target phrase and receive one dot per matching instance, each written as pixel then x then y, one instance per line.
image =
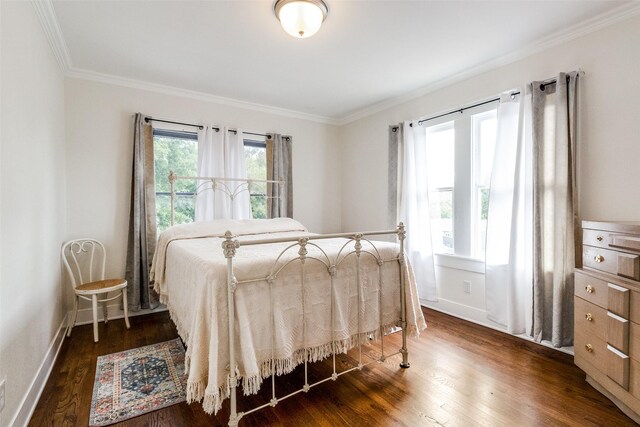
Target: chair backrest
pixel 85 260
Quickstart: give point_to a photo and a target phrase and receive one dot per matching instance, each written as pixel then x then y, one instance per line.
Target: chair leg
pixel 105 313
pixel 72 319
pixel 126 308
pixel 94 307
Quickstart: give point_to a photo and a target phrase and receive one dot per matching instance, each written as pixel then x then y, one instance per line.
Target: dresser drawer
pixel 626 265
pixel 618 300
pixel 589 319
pixel 629 266
pixel 600 259
pixel 634 307
pixel 631 243
pixel 592 349
pixel 597 238
pixel 608 240
pixel 591 289
pixel 618 367
pixel 634 378
pixel 634 342
pixel 618 332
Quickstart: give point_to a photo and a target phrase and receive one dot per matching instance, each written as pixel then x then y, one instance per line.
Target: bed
pixel 264 296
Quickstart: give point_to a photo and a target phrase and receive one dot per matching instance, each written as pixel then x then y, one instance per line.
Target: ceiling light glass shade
pixel 301 18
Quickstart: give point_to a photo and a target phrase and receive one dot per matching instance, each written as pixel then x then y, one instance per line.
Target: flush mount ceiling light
pixel 301 18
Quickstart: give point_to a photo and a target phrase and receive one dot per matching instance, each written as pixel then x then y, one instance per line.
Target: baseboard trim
pixel 85 315
pixel 464 312
pixel 479 317
pixel 31 398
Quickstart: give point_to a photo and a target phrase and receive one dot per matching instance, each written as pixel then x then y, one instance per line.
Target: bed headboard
pixel 228 187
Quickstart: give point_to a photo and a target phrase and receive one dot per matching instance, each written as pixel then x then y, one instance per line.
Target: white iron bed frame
pixel 223 185
pixel 231 244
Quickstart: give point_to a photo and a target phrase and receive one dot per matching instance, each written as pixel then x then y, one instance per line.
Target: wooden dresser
pixel 607 312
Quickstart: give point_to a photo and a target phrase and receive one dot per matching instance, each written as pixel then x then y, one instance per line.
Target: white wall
pixel 99 121
pixel 608 151
pixel 33 205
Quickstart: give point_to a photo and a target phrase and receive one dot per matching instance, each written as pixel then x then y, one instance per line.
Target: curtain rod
pixel 543 85
pixel 217 129
pixel 266 135
pixel 549 82
pixel 151 119
pixel 461 110
pixel 554 80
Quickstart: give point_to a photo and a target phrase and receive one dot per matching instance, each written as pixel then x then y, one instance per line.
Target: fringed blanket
pixel 190 275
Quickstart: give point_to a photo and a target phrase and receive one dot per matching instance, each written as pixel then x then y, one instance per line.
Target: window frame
pixel 256 142
pixel 464 200
pixel 444 125
pixel 176 133
pixel 182 132
pixel 476 187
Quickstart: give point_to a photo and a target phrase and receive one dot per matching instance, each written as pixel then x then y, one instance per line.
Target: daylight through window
pixel 460 157
pixel 177 151
pixel 255 155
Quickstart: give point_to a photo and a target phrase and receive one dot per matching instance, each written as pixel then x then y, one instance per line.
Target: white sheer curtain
pixel 413 207
pixel 210 163
pixel 221 155
pixel 235 168
pixel 508 277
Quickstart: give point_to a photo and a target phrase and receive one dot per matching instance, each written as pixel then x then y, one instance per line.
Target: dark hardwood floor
pixel 461 374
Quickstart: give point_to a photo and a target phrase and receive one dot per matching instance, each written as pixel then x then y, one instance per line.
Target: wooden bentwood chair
pixel 85 259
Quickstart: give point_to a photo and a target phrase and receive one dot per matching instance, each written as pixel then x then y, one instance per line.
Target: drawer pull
pixel 588 347
pixel 589 289
pixel 599 238
pixel 598 258
pixel 589 317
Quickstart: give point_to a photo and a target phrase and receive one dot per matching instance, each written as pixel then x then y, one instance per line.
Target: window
pixel 484 141
pixel 459 169
pixel 255 157
pixel 175 151
pixel 441 167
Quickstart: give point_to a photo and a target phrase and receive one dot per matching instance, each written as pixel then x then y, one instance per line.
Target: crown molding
pixel 591 25
pixel 77 73
pixel 49 22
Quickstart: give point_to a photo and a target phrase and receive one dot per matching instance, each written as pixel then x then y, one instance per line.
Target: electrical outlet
pixel 2 395
pixel 466 286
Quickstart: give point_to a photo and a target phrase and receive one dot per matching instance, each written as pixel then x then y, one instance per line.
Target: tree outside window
pixel 177 151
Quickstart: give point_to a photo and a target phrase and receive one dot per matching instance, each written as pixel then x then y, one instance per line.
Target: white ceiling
pixel 365 53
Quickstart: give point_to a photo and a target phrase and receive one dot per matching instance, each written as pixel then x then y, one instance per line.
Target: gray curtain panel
pixel 555 216
pixel 279 166
pixel 142 219
pixel 395 136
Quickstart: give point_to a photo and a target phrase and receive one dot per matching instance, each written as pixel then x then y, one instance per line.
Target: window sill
pixel 460 263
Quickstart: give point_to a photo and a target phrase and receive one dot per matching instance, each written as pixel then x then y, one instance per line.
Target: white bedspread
pixel 189 269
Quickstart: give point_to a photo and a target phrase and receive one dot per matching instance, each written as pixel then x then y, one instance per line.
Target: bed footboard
pixel 353 246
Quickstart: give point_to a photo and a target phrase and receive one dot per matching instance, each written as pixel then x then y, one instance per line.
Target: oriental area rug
pixel 134 382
